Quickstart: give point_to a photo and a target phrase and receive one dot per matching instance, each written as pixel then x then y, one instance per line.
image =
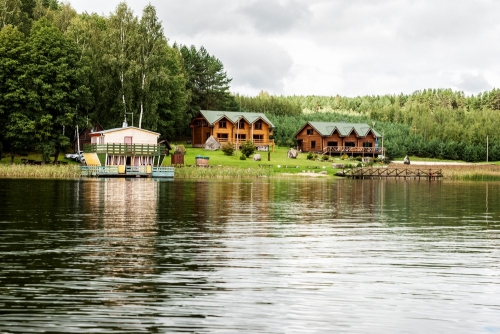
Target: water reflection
pixel 273 256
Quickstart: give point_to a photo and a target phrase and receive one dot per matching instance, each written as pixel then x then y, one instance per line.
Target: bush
pixel 243 157
pixel 228 148
pixel 344 157
pixel 247 148
pixel 309 156
pixel 179 149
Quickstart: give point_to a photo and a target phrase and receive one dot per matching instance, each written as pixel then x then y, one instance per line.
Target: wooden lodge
pixel 125 151
pixel 83 137
pixel 233 127
pixel 339 138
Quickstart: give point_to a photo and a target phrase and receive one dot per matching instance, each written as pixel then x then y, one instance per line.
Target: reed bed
pixel 43 171
pixel 221 173
pixel 465 172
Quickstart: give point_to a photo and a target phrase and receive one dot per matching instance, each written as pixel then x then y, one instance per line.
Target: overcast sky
pixel 330 47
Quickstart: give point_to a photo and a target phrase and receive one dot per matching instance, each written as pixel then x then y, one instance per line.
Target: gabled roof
pixel 326 129
pixel 213 116
pixel 121 129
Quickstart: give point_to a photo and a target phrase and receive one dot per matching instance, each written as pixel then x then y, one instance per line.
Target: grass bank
pixel 44 171
pixel 461 172
pixel 273 164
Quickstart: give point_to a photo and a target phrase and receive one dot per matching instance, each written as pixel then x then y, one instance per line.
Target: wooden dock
pixel 404 173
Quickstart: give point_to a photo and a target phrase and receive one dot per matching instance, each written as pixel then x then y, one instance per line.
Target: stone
pixel 257 157
pixel 292 153
pixel 212 144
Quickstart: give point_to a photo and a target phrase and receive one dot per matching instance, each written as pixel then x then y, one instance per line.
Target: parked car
pixel 75 156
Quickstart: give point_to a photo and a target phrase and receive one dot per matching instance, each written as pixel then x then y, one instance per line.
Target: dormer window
pixel 309 132
pixel 258 125
pixel 222 124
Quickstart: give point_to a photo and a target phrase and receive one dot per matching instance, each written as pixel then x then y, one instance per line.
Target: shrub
pixel 228 148
pixel 359 164
pixel 179 149
pixel 243 157
pixel 309 156
pixel 325 157
pixel 247 148
pixel 344 157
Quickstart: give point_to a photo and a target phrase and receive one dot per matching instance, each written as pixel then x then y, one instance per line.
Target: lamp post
pixel 237 134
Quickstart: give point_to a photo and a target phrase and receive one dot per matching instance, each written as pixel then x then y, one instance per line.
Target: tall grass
pixel 469 172
pixel 43 171
pixel 221 172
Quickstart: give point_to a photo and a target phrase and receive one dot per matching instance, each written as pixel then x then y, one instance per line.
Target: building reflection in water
pixel 122 217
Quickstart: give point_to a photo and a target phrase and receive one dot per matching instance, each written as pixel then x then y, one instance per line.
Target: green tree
pixel 13 62
pixel 54 86
pixel 153 72
pixel 207 82
pixel 10 12
pixel 122 57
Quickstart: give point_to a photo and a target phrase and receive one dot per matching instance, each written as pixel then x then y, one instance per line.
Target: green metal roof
pixel 213 116
pixel 327 128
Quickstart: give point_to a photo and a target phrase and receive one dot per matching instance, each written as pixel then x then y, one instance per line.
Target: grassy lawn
pixel 278 162
pixel 33 156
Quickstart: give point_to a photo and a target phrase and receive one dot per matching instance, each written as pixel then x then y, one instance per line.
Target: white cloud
pixel 346 47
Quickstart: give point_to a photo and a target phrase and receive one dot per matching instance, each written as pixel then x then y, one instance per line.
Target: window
pixel 241 124
pixel 313 144
pixel 258 137
pixel 350 144
pixel 332 143
pixel 367 144
pixel 222 124
pixel 222 136
pixel 128 140
pixel 241 137
pixel 200 123
pixel 258 125
pixel 207 135
pixel 309 132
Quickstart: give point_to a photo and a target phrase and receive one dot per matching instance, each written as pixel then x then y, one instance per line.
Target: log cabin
pixel 231 126
pixel 339 138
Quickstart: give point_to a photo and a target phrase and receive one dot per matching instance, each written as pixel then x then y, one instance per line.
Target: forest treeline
pixel 60 69
pixel 438 123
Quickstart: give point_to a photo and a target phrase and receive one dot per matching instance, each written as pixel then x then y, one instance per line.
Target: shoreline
pixel 451 171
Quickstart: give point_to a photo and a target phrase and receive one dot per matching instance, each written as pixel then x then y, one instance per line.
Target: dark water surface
pixel 273 256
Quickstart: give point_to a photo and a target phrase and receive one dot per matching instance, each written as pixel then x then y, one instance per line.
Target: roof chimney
pixel 125 125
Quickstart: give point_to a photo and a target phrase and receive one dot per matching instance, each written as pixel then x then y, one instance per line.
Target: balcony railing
pixel 257 142
pixel 159 171
pixel 125 149
pixel 354 149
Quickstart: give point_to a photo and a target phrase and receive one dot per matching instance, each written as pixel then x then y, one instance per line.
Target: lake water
pixel 270 256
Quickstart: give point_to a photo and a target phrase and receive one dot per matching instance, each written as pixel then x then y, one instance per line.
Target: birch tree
pixel 152 51
pixel 122 56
